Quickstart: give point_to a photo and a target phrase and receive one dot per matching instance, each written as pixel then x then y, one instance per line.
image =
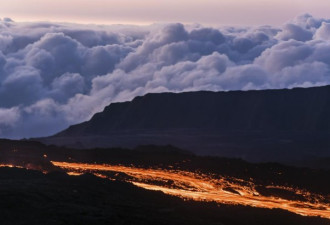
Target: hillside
pixel 270 110
pixel 268 125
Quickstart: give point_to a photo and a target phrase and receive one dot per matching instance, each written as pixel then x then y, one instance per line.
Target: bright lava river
pixel 199 187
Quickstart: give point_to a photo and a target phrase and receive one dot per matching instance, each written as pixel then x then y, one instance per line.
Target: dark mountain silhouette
pixel 268 125
pixel 271 110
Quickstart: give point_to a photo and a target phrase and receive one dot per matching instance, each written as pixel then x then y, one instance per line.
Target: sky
pixel 208 12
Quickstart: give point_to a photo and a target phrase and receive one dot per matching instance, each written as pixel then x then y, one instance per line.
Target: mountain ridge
pixel 261 125
pixel 200 110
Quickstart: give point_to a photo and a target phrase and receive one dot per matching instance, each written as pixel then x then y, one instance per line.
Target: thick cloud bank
pixel 54 75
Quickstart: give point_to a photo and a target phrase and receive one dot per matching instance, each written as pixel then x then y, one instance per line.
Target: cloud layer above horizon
pixel 55 75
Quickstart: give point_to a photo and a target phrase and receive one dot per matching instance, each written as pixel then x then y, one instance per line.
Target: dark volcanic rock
pixel 268 110
pixel 29 197
pixel 268 125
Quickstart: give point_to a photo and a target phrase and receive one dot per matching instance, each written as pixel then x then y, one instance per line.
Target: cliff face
pixel 270 110
pixel 268 125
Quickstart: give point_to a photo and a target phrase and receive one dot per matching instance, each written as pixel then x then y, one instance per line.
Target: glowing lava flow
pixel 189 185
pixel 10 166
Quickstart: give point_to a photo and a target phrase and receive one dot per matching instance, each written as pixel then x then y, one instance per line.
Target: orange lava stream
pixel 194 186
pixel 10 166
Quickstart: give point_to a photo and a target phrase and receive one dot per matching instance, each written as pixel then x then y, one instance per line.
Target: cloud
pixel 323 33
pixel 284 54
pixel 9 116
pixel 67 86
pixel 53 75
pixel 295 32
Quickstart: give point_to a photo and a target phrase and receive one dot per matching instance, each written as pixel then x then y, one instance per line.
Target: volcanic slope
pixel 289 126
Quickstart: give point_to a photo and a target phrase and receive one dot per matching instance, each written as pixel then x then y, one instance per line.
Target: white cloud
pixel 323 33
pixel 9 116
pixel 54 75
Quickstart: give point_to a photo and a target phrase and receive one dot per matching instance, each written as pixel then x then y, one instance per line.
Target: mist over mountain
pixel 53 75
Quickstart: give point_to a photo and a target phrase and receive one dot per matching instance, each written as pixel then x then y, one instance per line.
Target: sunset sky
pixel 213 12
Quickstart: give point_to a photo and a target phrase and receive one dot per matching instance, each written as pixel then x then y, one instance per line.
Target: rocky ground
pixel 31 197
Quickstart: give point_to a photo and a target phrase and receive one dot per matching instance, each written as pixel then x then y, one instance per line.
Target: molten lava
pixel 10 166
pixel 202 187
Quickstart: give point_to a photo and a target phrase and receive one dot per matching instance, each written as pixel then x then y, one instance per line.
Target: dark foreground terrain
pixel 30 197
pixel 53 197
